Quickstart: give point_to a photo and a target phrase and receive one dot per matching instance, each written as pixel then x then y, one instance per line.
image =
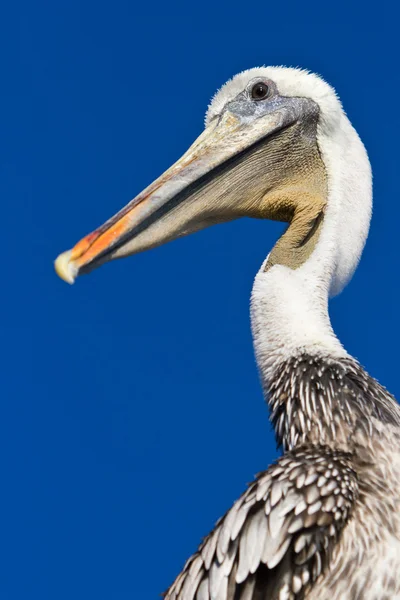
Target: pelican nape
pixel 323 522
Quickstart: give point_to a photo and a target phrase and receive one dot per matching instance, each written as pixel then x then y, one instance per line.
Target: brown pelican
pixel 323 522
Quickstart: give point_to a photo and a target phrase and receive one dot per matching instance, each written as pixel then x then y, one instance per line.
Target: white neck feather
pixel 289 307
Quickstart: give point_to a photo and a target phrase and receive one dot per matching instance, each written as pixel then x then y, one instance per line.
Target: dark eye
pixel 259 91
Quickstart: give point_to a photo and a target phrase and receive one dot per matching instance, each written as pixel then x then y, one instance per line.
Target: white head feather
pixel 345 158
pixel 289 307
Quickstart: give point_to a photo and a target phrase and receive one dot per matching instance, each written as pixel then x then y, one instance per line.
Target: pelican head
pixel 268 150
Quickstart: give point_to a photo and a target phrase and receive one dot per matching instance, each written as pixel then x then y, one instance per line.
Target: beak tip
pixel 65 269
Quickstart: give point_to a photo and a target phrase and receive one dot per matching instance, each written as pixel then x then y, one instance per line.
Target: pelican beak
pixel 223 175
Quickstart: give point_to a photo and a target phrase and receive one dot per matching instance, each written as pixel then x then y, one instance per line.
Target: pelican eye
pixel 259 91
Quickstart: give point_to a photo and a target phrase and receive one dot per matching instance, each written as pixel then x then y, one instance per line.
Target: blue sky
pixel 131 414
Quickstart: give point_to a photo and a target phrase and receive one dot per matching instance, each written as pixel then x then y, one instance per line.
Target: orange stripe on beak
pixel 94 244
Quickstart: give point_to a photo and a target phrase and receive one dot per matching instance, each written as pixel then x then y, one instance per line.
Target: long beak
pixel 192 194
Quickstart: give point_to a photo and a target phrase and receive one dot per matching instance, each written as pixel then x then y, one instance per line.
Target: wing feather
pixel 278 537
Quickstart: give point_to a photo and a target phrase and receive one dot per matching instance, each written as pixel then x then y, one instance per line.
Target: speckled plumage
pixel 324 520
pixel 326 401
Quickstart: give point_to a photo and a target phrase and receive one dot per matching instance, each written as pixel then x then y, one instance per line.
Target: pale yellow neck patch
pixel 299 200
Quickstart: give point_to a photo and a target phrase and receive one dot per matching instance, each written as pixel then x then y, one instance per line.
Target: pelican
pixel 323 522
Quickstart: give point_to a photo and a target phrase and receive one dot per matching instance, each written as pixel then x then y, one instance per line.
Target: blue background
pixel 131 413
